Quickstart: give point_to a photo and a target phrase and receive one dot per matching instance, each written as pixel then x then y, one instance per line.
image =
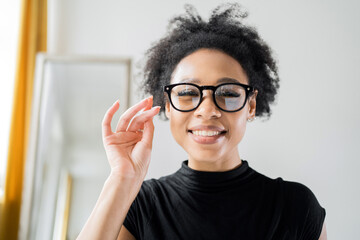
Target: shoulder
pixel 294 194
pixel 156 182
pixel 299 194
pixel 296 188
pixel 143 207
pixel 302 207
pixel 152 187
pixel 147 190
pixel 291 191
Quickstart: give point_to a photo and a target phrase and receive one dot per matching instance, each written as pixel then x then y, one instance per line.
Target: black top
pixel 236 204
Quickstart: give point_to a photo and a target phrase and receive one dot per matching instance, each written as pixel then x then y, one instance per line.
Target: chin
pixel 205 157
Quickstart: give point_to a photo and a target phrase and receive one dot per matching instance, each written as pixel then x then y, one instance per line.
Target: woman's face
pixel 190 129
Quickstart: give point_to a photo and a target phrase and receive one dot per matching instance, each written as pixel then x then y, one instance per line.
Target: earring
pixel 251 119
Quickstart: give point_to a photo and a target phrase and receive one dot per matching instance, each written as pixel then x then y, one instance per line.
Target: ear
pixel 167 108
pixel 252 104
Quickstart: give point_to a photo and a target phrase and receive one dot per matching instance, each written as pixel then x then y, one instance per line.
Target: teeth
pixel 206 133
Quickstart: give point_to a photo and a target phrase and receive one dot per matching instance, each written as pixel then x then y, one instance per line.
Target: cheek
pixel 177 122
pixel 238 128
pixel 178 128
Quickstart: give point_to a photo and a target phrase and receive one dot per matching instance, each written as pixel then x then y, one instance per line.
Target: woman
pixel 216 77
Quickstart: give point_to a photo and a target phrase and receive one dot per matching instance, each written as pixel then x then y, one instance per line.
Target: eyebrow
pixel 221 80
pixel 190 80
pixel 227 80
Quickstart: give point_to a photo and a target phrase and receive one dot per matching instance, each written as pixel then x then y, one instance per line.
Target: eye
pixel 228 93
pixel 189 93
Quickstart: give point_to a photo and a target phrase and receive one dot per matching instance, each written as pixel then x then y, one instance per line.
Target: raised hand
pixel 128 149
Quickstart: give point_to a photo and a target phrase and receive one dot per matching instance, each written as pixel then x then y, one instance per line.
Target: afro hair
pixel 224 31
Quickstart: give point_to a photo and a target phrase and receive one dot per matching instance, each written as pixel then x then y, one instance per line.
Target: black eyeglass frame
pixel 249 90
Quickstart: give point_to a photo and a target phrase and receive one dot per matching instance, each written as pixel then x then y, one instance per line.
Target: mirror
pixel 71 96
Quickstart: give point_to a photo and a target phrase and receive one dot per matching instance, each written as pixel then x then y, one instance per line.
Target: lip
pixel 206 128
pixel 206 139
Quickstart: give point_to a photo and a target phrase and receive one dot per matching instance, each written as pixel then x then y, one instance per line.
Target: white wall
pixel 9 28
pixel 313 134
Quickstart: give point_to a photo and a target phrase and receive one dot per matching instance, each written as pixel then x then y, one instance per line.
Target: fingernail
pixel 147 99
pixel 116 101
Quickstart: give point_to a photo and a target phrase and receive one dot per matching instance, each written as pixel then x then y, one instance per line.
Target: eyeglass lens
pixel 228 97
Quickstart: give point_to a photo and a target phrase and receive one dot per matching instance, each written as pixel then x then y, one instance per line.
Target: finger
pixel 123 138
pixel 129 114
pixel 106 123
pixel 139 121
pixel 150 103
pixel 147 108
pixel 148 133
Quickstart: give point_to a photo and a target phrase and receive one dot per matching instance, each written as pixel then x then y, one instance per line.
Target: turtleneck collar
pixel 202 180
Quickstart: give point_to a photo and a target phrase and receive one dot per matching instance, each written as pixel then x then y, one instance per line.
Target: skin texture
pixel 210 67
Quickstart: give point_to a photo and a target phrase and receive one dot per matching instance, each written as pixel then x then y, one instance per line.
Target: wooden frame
pixel 63 206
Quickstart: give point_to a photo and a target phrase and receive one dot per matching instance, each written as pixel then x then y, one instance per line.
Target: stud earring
pixel 251 119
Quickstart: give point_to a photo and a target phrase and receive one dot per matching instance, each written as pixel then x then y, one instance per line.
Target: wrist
pixel 125 183
pixel 129 174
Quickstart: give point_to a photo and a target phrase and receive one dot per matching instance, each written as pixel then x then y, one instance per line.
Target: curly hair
pixel 224 31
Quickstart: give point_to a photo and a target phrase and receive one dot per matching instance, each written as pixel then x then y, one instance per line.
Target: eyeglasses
pixel 229 97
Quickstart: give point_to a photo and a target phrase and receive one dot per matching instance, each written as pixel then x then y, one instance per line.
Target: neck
pixel 216 165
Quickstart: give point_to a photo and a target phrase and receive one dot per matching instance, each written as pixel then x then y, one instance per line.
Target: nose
pixel 207 108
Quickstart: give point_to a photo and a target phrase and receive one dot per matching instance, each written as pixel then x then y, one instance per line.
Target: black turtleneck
pixel 236 204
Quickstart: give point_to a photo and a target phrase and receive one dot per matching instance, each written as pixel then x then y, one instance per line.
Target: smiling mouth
pixel 206 133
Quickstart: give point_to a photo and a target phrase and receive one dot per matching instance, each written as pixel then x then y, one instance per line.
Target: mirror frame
pixel 28 213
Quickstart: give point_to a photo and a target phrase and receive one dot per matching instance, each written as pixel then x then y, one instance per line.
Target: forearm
pixel 111 208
